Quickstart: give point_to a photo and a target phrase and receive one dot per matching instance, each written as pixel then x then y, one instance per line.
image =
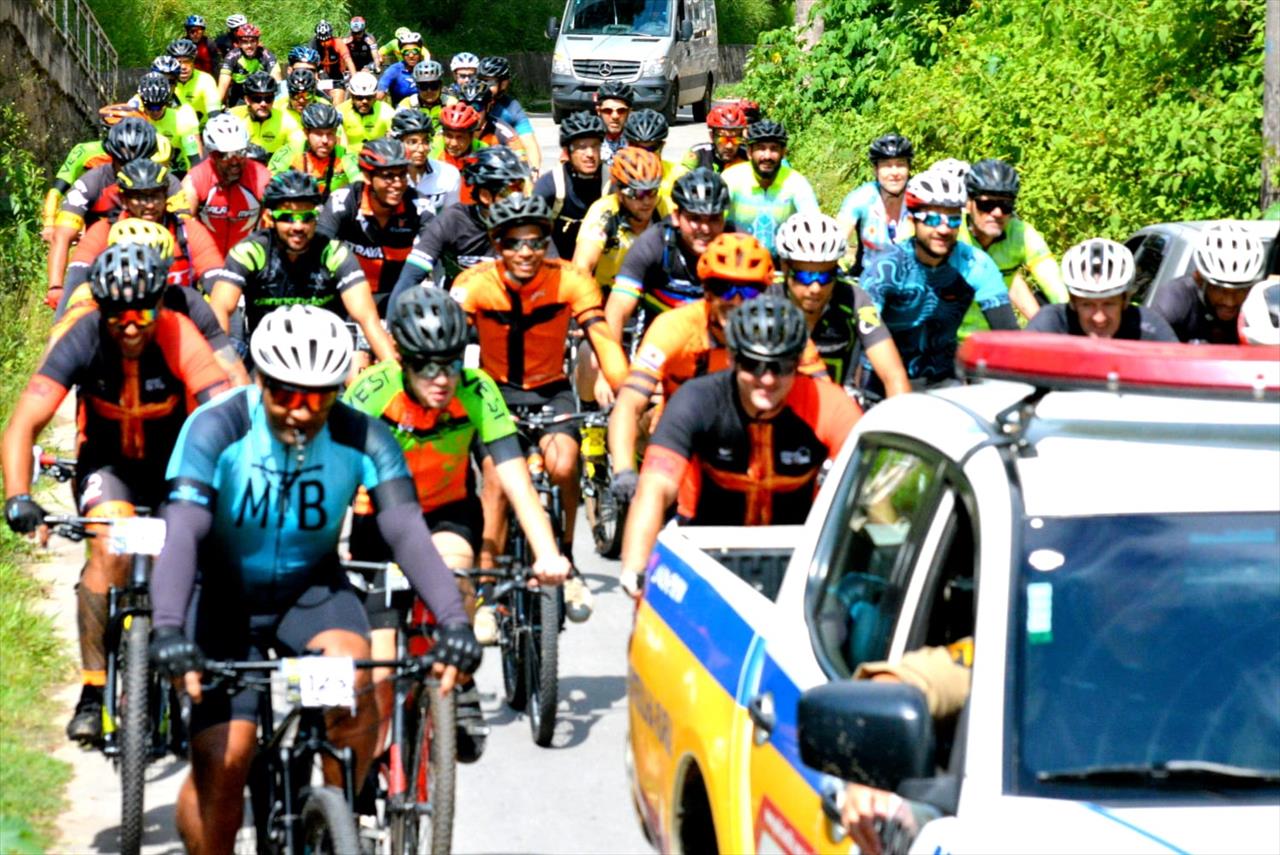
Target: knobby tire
pixel 328 827
pixel 135 732
pixel 543 661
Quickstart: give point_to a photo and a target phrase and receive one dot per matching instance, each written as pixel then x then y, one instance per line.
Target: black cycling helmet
pixel 409 120
pixel 428 324
pixel 494 68
pixel 179 48
pixel 131 139
pixel 580 124
pixel 260 83
pixel 766 130
pixel 127 276
pixel 614 90
pixel 304 53
pixel 382 153
pixel 517 210
pixel 321 114
pixel 290 186
pixel 768 327
pixel 258 153
pixel 890 145
pixel 324 30
pixel 476 95
pixel 645 126
pixel 992 176
pixel 166 65
pixel 301 80
pixel 701 191
pixel 143 174
pixel 154 89
pixel 495 167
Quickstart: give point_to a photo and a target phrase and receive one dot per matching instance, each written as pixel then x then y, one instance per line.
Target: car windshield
pixel 620 17
pixel 1147 656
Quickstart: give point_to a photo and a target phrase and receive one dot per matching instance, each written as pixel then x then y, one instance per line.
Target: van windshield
pixel 620 17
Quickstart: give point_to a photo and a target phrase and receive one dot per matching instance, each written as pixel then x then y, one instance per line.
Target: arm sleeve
pixel 934 671
pixel 1042 265
pixel 403 529
pixel 204 319
pixel 331 214
pixel 202 250
pixel 486 408
pixel 174 574
pixel 590 316
pixel 1001 317
pixel 346 269
pixel 1050 319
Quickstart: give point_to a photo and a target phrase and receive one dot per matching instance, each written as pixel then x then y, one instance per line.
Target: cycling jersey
pixel 704 155
pixel 361 128
pixel 285 105
pixel 569 196
pixel 500 133
pixel 268 279
pixel 333 58
pixel 390 52
pixel 380 249
pixel 207 58
pixel 680 345
pixel 200 93
pixel 864 207
pixel 181 126
pixel 397 81
pixel 848 326
pixel 611 146
pixel 744 471
pixel 659 271
pixel 456 238
pixel 1179 302
pixel 96 195
pixel 439 185
pixel 331 173
pixel 523 327
pixel 437 443
pixel 126 408
pixel 1136 323
pixel 609 229
pixel 412 103
pixel 196 257
pixel 237 66
pixel 923 306
pixel 230 213
pixel 1020 247
pixel 507 109
pixel 362 49
pixel 82 157
pixel 184 301
pixel 272 133
pixel 759 212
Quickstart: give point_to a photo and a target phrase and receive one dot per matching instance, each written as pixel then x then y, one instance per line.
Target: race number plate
pixel 320 681
pixel 396 580
pixel 137 536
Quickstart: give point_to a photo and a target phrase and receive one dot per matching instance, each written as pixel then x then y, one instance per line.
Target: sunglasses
pixel 728 289
pixel 813 277
pixel 933 219
pixel 362 98
pixel 389 176
pixel 283 216
pixel 513 244
pixel 299 398
pixel 430 87
pixel 141 318
pixel 728 138
pixel 760 367
pixel 988 206
pixel 613 111
pixel 638 194
pixel 510 190
pixel 259 99
pixel 430 369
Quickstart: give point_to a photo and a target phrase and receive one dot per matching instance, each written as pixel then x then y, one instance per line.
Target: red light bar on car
pixel 1074 362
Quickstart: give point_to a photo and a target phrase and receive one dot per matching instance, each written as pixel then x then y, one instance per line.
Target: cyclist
pixel 842 321
pixel 458 139
pixel 300 85
pixel 458 238
pixel 750 441
pixel 1011 242
pixel 362 46
pixel 364 116
pixel 206 57
pixel 874 215
pixel 923 286
pixel 727 124
pixel 1259 321
pixel 288 263
pixel 463 68
pixel 259 482
pixel 397 83
pixel 521 304
pixel 572 186
pixel 335 60
pixel 268 127
pixel 323 157
pixel 765 191
pixel 495 72
pixel 613 105
pixel 615 221
pixel 225 189
pixel 226 42
pixel 175 121
pixel 437 410
pixel 647 129
pixel 437 183
pixel 246 58
pixel 194 87
pixel 1099 275
pixel 1204 305
pixel 390 52
pixel 426 77
pixel 303 56
pixel 493 131
pixel 137 369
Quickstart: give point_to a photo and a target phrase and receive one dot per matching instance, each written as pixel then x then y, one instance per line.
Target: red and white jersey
pixel 230 213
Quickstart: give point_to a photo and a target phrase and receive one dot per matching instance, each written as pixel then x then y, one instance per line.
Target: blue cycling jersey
pixel 397 81
pixel 277 516
pixel 508 109
pixel 876 232
pixel 923 306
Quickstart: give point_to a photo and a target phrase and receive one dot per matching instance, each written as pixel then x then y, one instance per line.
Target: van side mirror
pixel 686 30
pixel 877 734
pixel 553 28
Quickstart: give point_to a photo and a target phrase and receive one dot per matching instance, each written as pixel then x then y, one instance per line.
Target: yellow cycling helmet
pixel 135 230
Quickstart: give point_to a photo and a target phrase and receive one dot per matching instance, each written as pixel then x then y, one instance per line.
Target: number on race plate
pixel 320 681
pixel 137 536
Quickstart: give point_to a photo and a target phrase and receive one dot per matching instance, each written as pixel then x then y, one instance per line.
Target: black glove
pixel 23 514
pixel 456 645
pixel 624 484
pixel 173 653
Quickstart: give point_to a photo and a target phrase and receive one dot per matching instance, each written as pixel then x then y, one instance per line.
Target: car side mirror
pixel 553 28
pixel 686 30
pixel 877 734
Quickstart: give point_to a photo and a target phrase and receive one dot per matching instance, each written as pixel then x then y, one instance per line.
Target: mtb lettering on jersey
pixel 309 507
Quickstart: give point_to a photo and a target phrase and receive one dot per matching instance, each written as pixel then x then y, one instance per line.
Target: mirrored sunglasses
pixel 760 367
pixel 728 289
pixel 513 244
pixel 141 318
pixel 813 277
pixel 430 369
pixel 297 397
pixel 933 219
pixel 284 216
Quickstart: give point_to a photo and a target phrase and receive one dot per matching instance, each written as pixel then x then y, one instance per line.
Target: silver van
pixel 666 49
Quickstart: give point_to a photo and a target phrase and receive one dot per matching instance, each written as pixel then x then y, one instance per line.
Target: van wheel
pixel 703 105
pixel 673 103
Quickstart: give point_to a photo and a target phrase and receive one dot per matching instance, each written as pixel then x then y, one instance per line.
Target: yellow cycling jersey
pixel 274 133
pixel 200 93
pixel 360 128
pixel 605 226
pixel 181 127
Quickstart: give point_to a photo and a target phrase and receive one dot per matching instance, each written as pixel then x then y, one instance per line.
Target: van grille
pixel 603 69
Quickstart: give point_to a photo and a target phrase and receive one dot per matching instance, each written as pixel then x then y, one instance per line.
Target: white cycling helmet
pixel 464 60
pixel 225 133
pixel 235 22
pixel 362 83
pixel 302 345
pixel 402 33
pixel 1229 256
pixel 1098 268
pixel 810 237
pixel 952 166
pixel 931 187
pixel 1259 321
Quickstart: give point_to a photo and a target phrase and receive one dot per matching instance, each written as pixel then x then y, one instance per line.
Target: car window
pixel 944 614
pixel 867 549
pixel 1147 259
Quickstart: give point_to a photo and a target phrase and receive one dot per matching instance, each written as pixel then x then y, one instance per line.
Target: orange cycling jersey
pixel 523 327
pixel 196 255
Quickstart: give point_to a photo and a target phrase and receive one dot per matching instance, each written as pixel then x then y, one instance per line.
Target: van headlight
pixel 560 64
pixel 654 67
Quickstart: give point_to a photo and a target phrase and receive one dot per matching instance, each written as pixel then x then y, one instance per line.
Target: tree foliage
pixel 1116 114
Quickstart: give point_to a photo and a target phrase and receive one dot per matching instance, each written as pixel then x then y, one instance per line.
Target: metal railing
pixel 90 47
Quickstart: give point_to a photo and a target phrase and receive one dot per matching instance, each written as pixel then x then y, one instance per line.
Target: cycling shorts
pixel 526 402
pixel 225 630
pixel 117 489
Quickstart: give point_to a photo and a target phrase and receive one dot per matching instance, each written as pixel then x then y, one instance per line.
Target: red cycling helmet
pixel 248 31
pixel 727 116
pixel 460 116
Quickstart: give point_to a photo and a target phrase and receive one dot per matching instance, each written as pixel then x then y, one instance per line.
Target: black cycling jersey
pixel 1179 302
pixel 579 192
pixel 704 155
pixel 1136 323
pixel 848 326
pixel 382 250
pixel 262 270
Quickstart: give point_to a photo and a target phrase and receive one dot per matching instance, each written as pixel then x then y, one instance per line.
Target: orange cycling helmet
pixel 727 116
pixel 113 114
pixel 460 116
pixel 736 257
pixel 636 168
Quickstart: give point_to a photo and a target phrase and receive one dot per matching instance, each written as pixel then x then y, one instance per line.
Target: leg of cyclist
pixel 560 451
pixel 494 502
pixel 358 732
pixel 458 555
pixel 210 804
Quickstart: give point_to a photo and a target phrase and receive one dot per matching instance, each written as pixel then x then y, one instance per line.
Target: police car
pixel 1101 520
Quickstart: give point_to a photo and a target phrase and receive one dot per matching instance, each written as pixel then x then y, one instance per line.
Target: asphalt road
pixel 571 797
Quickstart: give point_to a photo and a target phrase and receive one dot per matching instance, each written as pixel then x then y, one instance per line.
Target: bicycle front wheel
pixel 426 824
pixel 135 730
pixel 542 658
pixel 328 827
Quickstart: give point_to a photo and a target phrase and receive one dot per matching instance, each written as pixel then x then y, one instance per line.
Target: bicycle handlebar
pixel 229 675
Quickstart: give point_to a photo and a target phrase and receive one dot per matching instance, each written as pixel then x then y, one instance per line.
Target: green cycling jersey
pixel 1020 248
